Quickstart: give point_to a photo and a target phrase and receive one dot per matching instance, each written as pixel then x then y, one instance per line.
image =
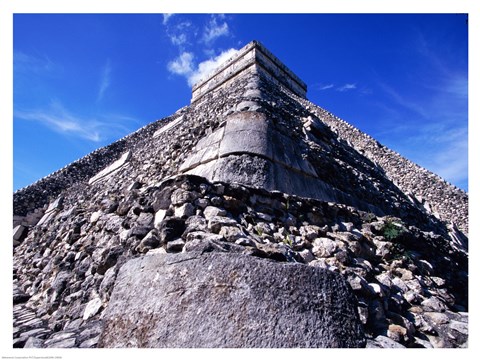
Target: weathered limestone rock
pixel 19 233
pixel 220 300
pixel 92 308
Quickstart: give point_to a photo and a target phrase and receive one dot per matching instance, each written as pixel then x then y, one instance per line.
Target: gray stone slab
pixel 223 300
pixel 45 218
pixel 246 141
pixel 66 343
pixel 285 151
pixel 205 170
pixel 33 342
pixel 210 153
pixel 55 205
pixel 247 121
pixel 169 126
pixel 289 180
pixel 111 168
pixel 249 105
pixel 245 169
pixel 253 93
pixel 211 139
pixel 306 167
pixel 205 150
pixel 193 160
pixel 18 232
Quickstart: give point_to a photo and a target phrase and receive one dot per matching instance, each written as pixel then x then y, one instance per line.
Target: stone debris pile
pixel 408 292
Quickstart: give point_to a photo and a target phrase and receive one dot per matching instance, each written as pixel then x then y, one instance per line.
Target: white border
pixel 9 7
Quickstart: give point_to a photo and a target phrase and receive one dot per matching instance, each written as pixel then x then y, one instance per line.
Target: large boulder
pixel 228 300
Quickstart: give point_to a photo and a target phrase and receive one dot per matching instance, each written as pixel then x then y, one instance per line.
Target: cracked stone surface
pixel 220 300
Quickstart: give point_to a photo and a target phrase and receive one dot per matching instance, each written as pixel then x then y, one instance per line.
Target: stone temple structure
pixel 249 218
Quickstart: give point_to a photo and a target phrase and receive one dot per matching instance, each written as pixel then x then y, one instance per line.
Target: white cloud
pixel 214 30
pixel 346 87
pixel 179 33
pixel 443 149
pixel 184 34
pixel 208 66
pixel 105 80
pixel 62 122
pixel 59 119
pixel 178 39
pixel 183 65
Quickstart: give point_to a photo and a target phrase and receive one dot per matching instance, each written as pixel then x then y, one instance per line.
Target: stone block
pixel 246 141
pixel 211 139
pixel 19 232
pixel 217 300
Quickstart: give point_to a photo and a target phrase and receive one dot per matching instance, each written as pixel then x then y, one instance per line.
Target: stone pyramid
pixel 249 218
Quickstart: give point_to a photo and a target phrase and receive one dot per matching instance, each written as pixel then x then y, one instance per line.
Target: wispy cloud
pixel 429 124
pixel 443 150
pixel 59 119
pixel 25 63
pixel 452 161
pixel 179 39
pixel 322 87
pixel 346 87
pixel 340 88
pixel 166 17
pixel 402 101
pixel 215 29
pixel 105 80
pixel 180 33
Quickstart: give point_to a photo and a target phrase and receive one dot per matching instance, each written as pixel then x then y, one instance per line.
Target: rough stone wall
pixel 350 175
pixel 438 197
pixel 411 286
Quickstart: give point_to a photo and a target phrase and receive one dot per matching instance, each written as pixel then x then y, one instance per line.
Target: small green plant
pixel 288 241
pixel 398 252
pixel 392 229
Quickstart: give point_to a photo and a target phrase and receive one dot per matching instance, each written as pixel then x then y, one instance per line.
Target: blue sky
pixel 84 81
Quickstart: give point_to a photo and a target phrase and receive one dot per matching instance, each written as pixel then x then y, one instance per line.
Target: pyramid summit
pixel 252 58
pixel 251 181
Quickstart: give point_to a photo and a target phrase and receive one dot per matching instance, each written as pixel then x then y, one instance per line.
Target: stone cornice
pixel 252 57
